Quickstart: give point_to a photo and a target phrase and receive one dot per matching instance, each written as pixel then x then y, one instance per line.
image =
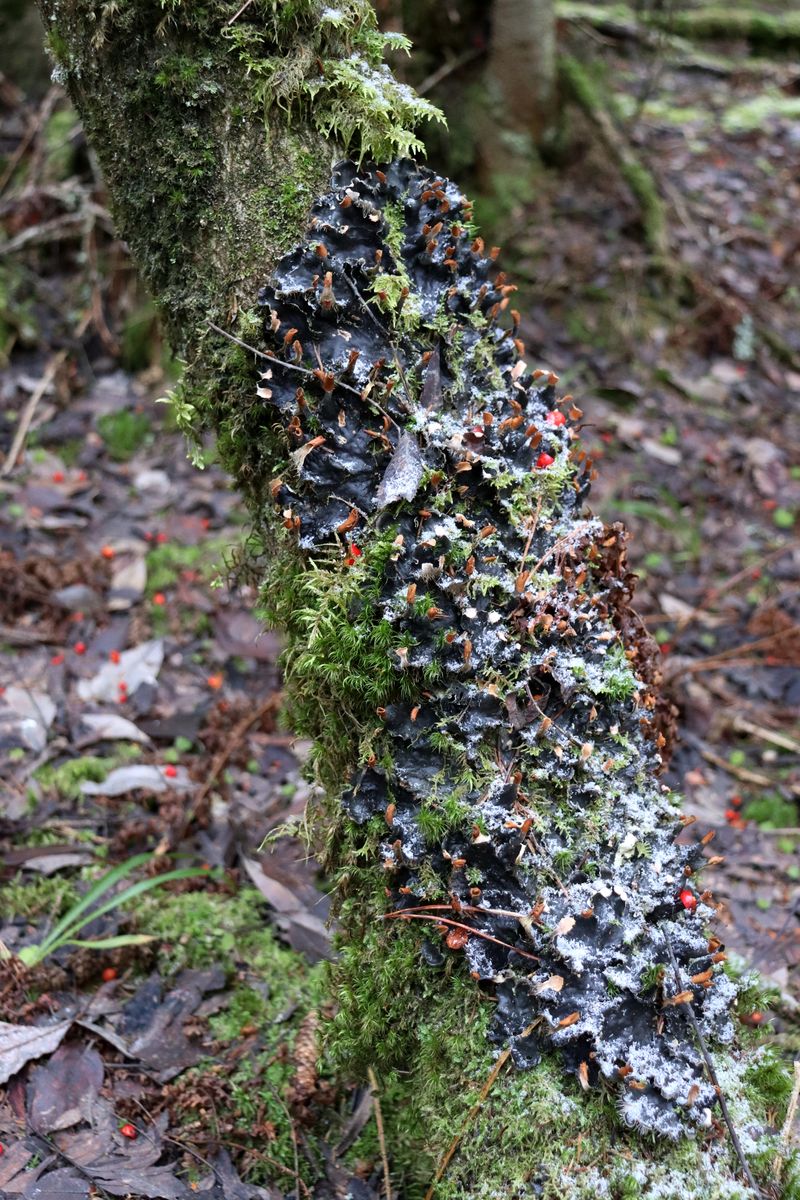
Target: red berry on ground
pixel 731 814
pixel 159 598
pixel 127 1130
pixel 79 647
pixel 170 771
pixel 215 682
pixel 107 551
pixel 688 899
pixel 57 660
pixel 114 656
pixel 58 476
pixel 161 538
pixel 555 418
pixel 109 973
pixel 544 460
pixel 354 550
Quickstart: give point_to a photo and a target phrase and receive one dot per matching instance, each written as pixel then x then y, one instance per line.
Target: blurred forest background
pixel 640 167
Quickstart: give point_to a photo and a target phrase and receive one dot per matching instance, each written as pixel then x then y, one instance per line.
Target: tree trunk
pixel 460 643
pixel 522 65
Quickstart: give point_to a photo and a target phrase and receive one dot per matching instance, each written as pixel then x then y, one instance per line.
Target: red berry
pixel 109 973
pixel 114 656
pixel 688 899
pixel 544 460
pixel 159 598
pixel 2 1148
pixel 731 814
pixel 170 772
pixel 57 660
pixel 127 1130
pixel 555 418
pixel 79 647
pixel 161 538
pixel 354 550
pixel 107 551
pixel 58 476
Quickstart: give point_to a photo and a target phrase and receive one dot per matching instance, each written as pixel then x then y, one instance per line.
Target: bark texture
pixel 458 629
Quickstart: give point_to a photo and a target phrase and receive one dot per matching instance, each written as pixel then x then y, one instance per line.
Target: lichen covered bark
pixel 480 730
pixel 507 872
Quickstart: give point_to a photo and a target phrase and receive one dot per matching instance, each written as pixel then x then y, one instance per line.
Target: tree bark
pixel 522 65
pixel 460 641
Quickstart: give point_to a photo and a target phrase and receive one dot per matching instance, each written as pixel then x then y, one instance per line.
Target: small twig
pixel 236 15
pixel 487 937
pixel 531 532
pixel 712 1074
pixel 22 637
pixel 34 127
pixel 786 1132
pixel 745 774
pixel 766 735
pixel 306 371
pixel 471 1115
pixel 730 657
pixel 27 413
pixel 373 1083
pixel 449 68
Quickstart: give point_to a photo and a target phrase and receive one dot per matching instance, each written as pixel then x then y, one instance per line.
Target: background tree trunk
pixel 522 66
pixel 217 125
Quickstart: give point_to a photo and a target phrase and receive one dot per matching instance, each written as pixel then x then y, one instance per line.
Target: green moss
pixel 65 779
pixel 59 151
pixel 124 432
pixel 166 562
pixel 771 811
pixel 37 896
pixel 341 662
pixel 273 991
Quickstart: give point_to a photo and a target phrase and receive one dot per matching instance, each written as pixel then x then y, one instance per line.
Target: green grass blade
pixel 111 943
pixel 107 881
pixel 130 893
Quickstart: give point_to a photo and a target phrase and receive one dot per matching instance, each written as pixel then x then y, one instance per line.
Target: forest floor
pixel 140 696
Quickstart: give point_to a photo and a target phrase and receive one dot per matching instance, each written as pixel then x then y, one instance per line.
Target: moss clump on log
pixel 454 623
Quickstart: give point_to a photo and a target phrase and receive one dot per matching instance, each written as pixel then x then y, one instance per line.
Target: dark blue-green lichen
pixel 432 480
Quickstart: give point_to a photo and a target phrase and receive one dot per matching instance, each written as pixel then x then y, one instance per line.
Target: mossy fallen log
pixel 460 640
pixel 580 87
pixel 765 30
